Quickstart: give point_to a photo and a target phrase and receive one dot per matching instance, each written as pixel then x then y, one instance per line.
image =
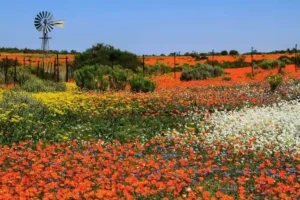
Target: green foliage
pixel 287 60
pixel 34 84
pixel 251 75
pixel 233 52
pixel 22 117
pixel 274 81
pixel 224 53
pixel 271 64
pixel 118 79
pixel 201 72
pixel 158 68
pixel 226 78
pixel 239 63
pixel 140 84
pixel 92 77
pixel 102 78
pixel 102 54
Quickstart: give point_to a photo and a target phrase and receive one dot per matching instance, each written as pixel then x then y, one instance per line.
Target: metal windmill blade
pixel 44 22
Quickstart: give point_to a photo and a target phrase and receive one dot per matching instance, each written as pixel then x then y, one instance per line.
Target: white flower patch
pixel 277 125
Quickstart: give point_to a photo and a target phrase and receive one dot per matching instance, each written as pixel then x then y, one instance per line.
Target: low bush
pixel 140 84
pixel 34 84
pixel 201 72
pixel 271 64
pixel 101 77
pixel 226 78
pixel 158 68
pixel 287 60
pixel 251 75
pixel 274 81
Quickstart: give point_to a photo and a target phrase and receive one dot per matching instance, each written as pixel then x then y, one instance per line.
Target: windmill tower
pixel 44 22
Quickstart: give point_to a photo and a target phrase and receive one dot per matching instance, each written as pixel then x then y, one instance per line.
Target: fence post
pixel 72 71
pixel 143 65
pixel 24 60
pixel 43 70
pixel 38 69
pixel 5 71
pixel 67 70
pixel 296 57
pixel 213 60
pixel 54 70
pixel 252 62
pixel 57 78
pixel 47 68
pixel 15 72
pixel 174 64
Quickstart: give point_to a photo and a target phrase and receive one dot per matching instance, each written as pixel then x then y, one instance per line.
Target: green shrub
pixel 100 77
pixel 2 78
pixel 158 68
pixel 287 60
pixel 34 84
pixel 274 81
pixel 226 78
pixel 270 64
pixel 91 77
pixel 118 79
pixel 250 75
pixel 107 55
pixel 140 84
pixel 201 72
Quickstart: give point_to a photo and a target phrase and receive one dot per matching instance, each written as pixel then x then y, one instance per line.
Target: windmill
pixel 44 22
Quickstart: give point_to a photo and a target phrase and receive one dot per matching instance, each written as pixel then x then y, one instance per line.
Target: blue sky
pixel 156 26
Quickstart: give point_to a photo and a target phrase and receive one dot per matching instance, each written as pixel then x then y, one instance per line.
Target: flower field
pixel 169 60
pixel 229 140
pixel 237 76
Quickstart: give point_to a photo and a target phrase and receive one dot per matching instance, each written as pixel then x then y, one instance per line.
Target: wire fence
pixel 56 68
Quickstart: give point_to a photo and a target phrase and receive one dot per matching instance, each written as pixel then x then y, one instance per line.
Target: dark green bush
pixel 271 64
pixel 201 72
pixel 226 78
pixel 274 81
pixel 100 77
pixel 92 77
pixel 118 79
pixel 107 55
pixel 140 84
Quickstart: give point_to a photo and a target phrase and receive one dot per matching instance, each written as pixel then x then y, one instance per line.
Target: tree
pixel 64 52
pixel 233 52
pixel 107 55
pixel 224 53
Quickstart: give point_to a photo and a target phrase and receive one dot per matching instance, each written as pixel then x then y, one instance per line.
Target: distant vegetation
pixel 102 54
pixel 34 51
pixel 104 78
pixel 200 72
